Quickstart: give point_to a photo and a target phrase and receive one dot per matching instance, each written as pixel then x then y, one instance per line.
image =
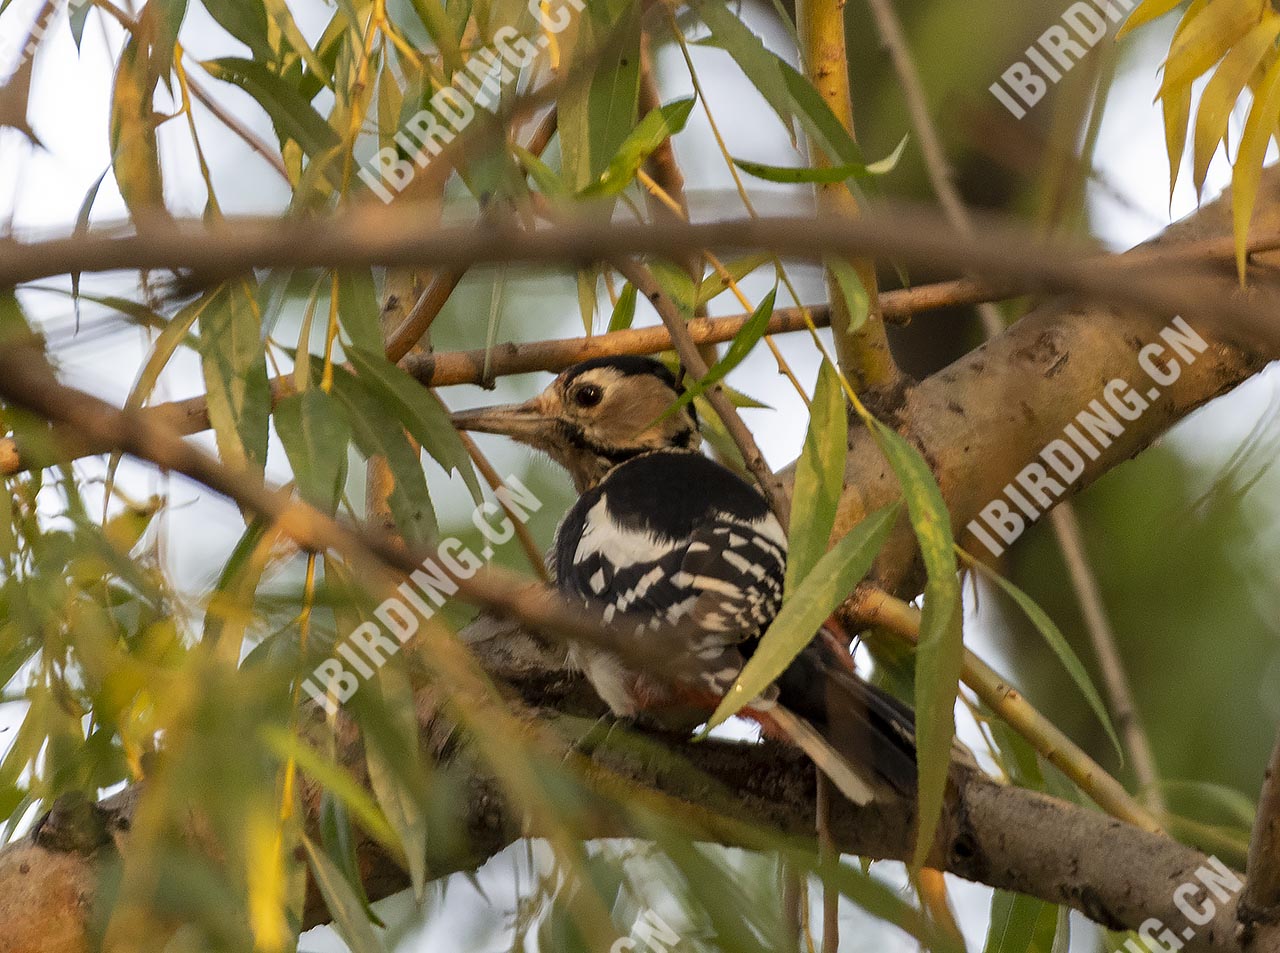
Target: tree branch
pixel 1007 837
pixel 1066 528
pixel 1259 912
pixel 469 367
pixel 395 237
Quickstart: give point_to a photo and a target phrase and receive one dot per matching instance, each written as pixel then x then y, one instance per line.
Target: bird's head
pixel 596 415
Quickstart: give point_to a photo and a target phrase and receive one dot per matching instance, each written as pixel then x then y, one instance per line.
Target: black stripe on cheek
pixel 576 438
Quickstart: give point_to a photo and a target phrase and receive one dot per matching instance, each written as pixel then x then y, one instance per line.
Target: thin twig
pixel 827 849
pixel 874 607
pixel 423 313
pixel 232 122
pixel 530 545
pixel 392 238
pixel 27 380
pixel 1115 680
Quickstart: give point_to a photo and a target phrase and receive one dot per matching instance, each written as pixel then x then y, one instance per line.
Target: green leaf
pixel 418 409
pixel 400 803
pixel 759 64
pixel 1213 800
pixel 135 158
pixel 235 374
pixel 716 284
pixel 852 290
pixel 378 434
pixel 819 479
pixel 291 112
pixel 838 173
pixel 832 579
pixel 818 119
pixel 1061 648
pixel 231 603
pixel 587 279
pixel 790 94
pixel 315 434
pixel 358 310
pixel 440 28
pixel 164 19
pixel 548 182
pixel 82 225
pixel 941 646
pixel 624 312
pixel 738 349
pixel 1014 918
pixel 78 16
pixel 889 162
pixel 281 16
pixel 653 130
pixel 174 334
pixel 246 20
pixel 676 284
pixel 597 115
pixel 348 912
pixel 336 780
pixel 778 173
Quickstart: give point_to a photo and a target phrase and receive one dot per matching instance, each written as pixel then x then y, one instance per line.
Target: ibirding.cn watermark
pixel 1043 482
pixel 1055 51
pixel 358 655
pixel 1197 899
pixel 478 83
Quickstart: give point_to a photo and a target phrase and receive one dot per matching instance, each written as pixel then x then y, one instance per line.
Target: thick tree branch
pixel 982 420
pixel 1008 837
pixel 1259 912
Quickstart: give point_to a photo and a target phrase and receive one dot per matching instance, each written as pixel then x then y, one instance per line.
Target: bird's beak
pixel 528 422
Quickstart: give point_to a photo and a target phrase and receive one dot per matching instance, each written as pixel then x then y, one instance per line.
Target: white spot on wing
pixel 621 547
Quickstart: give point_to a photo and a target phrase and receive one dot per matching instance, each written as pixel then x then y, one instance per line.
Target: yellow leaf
pixel 267 882
pixel 1146 12
pixel 1177 111
pixel 1176 105
pixel 1205 35
pixel 1222 91
pixel 135 158
pixel 1248 168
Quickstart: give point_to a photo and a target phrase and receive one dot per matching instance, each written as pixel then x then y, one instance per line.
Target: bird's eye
pixel 588 395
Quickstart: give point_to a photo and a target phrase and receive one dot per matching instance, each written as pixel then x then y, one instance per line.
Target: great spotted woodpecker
pixel 668 539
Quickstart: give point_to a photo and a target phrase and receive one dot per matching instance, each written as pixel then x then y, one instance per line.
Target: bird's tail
pixel 861 736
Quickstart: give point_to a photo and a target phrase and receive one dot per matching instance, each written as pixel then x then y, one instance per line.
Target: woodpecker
pixel 666 539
